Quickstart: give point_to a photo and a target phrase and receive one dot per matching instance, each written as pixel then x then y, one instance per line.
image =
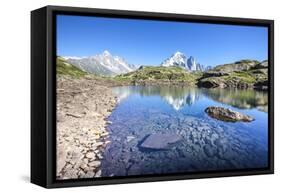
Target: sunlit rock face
pixel 181 60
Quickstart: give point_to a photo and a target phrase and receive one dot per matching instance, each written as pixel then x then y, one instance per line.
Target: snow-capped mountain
pixel 179 59
pixel 102 64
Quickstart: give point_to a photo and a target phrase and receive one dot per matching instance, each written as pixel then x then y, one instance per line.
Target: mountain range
pixel 102 64
pixel 106 64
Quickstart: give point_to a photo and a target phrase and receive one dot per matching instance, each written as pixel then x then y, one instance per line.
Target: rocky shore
pixel 82 108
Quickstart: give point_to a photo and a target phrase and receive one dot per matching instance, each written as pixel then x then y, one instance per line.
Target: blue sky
pixel 147 42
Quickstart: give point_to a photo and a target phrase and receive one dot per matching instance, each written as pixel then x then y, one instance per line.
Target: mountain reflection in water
pixel 178 97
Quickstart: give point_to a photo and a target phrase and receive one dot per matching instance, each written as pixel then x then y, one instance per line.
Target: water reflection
pixel 178 97
pixel 243 99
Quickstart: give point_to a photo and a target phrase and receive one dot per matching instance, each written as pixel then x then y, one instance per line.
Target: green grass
pixel 150 73
pixel 242 76
pixel 64 68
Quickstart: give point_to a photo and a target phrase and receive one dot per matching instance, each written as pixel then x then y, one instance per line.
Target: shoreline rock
pixel 82 108
pixel 227 115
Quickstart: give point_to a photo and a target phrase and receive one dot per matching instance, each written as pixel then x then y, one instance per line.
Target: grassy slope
pixel 249 77
pixel 241 65
pixel 64 68
pixel 167 74
pixel 243 71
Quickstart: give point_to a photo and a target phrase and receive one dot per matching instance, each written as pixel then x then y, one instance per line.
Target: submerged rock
pixel 226 114
pixel 209 150
pixel 160 141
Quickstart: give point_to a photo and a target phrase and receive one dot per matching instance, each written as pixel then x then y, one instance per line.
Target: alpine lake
pixel 206 144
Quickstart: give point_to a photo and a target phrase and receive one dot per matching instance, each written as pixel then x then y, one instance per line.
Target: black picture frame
pixel 43 94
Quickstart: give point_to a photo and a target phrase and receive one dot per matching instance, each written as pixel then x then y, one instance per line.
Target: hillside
pixel 160 75
pixel 241 74
pixel 65 68
pixel 241 65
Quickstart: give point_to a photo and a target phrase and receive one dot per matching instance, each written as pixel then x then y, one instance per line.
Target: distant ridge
pixel 104 64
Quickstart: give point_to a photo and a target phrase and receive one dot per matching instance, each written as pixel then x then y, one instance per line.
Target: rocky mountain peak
pixel 180 59
pixel 106 53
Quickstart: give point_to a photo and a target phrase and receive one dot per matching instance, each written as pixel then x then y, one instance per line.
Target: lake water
pixel 207 144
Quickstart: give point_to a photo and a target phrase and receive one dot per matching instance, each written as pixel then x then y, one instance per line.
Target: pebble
pixel 98 174
pixel 90 155
pixel 95 163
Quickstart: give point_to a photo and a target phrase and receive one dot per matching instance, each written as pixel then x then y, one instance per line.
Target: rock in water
pixel 226 114
pixel 160 141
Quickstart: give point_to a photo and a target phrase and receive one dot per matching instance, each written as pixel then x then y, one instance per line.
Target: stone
pixel 98 174
pixel 90 155
pixel 95 163
pixel 160 141
pixel 211 82
pixel 60 164
pixel 97 144
pixel 83 166
pixel 227 115
pixel 104 134
pixel 89 174
pixel 100 156
pixel 74 115
pixel 210 151
pixel 130 138
pixel 71 173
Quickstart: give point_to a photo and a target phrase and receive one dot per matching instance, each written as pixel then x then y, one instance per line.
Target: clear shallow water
pixel 207 143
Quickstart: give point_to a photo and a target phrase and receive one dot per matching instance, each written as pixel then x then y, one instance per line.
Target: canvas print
pixel 142 97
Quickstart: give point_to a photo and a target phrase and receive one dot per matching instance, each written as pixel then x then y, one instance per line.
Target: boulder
pixel 211 82
pixel 160 141
pixel 226 114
